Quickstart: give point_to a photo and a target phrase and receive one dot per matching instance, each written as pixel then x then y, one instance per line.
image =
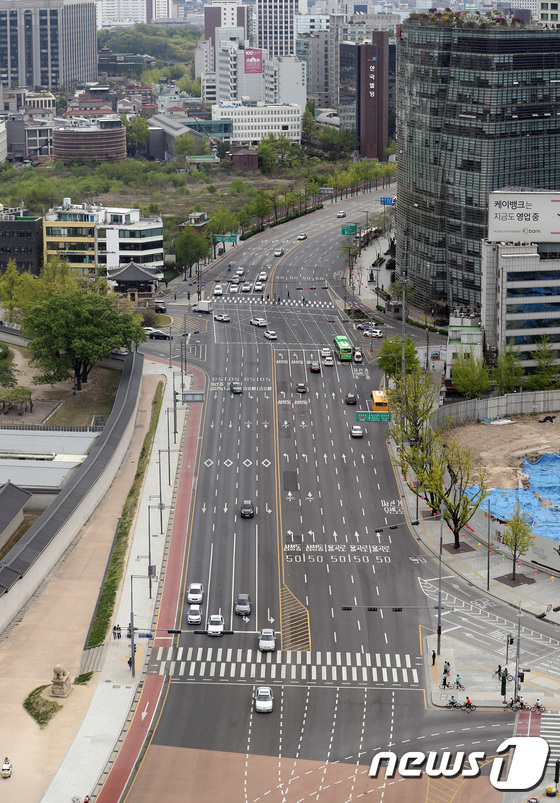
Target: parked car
pixel 247 509
pixel 216 625
pixel 264 700
pixel 243 605
pixel 194 616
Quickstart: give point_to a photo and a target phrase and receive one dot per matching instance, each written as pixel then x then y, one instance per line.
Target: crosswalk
pixel 284 302
pixel 221 663
pixel 550 730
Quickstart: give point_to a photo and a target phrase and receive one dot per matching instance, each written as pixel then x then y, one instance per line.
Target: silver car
pixel 267 640
pixel 194 616
pixel 216 625
pixel 264 700
pixel 195 593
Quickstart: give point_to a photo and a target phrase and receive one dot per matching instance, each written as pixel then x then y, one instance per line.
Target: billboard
pixel 524 217
pixel 253 62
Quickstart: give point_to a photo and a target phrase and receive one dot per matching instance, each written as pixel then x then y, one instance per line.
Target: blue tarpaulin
pixel 544 486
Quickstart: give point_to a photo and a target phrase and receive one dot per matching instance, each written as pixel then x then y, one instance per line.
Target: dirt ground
pixel 502 448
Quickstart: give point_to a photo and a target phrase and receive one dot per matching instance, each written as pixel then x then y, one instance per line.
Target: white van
pixel 358 356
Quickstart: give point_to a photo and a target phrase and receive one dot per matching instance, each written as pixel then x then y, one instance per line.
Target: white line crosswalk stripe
pixel 292 665
pixel 550 730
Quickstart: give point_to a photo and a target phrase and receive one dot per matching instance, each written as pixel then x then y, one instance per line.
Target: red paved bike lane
pixel 128 754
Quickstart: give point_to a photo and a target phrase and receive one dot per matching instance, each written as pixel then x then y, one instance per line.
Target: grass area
pixel 40 708
pixel 81 680
pixel 28 519
pixel 107 598
pixel 96 398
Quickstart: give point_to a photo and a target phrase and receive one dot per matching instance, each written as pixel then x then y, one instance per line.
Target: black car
pixel 314 367
pixel 159 334
pixel 247 509
pixel 351 398
pixel 243 605
pixel 236 387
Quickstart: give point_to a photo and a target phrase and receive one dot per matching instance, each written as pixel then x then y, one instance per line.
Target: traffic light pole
pixel 518 653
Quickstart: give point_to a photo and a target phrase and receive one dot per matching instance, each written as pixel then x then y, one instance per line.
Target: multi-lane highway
pixel 346 683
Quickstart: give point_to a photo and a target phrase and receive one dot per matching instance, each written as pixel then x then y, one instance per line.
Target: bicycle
pixel 452 686
pixel 453 705
pixel 501 675
pixel 541 709
pixel 469 708
pixel 521 707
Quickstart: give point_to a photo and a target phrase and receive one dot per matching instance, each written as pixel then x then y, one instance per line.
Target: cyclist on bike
pixel 511 703
pixel 538 703
pixel 468 702
pixel 499 671
pixel 458 680
pixel 453 701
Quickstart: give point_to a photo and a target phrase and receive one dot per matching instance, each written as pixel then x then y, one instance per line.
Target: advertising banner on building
pixel 524 217
pixel 253 62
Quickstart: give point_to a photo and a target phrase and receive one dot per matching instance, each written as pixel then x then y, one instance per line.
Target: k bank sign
pixel 525 771
pixel 524 217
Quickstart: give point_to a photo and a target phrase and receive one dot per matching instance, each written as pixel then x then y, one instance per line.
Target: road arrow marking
pixel 225 508
pixel 204 507
pixel 286 456
pixel 270 619
pixel 304 455
pixel 145 711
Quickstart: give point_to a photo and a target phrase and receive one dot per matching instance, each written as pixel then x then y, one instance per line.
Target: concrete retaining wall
pixel 536 402
pixel 43 545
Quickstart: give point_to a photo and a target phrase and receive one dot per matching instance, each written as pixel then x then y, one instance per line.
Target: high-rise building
pixel 225 15
pixel 50 44
pixel 121 13
pixel 313 49
pixel 276 26
pixel 477 110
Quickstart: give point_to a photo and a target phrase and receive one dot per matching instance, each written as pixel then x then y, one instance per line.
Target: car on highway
pixel 258 322
pixel 373 333
pixel 351 398
pixel 263 276
pixel 328 361
pixel 235 386
pixel 358 356
pixel 247 509
pixel 259 287
pixel 264 700
pixel 301 387
pixel 356 431
pixel 270 335
pixel 195 593
pixel 341 214
pixel 314 367
pixel 234 288
pixel 243 605
pixel 326 352
pixel 302 236
pixel 194 616
pixel 246 287
pixel 279 252
pixel 267 640
pixel 240 272
pixel 222 318
pixel 218 290
pixel 159 334
pixel 216 625
pixel 235 279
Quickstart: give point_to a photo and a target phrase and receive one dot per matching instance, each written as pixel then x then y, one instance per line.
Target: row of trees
pixel 446 473
pixel 71 327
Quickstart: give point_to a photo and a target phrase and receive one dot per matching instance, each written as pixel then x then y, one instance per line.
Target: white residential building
pixel 121 13
pixel 310 23
pixel 252 122
pixel 285 81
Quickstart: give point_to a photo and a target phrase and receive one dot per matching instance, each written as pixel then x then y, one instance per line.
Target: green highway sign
pixel 365 417
pixel 223 238
pixel 349 228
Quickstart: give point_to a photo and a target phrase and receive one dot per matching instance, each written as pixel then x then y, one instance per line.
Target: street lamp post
pixel 439 581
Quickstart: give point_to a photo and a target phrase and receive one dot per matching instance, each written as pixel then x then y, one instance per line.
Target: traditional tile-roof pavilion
pixel 134 277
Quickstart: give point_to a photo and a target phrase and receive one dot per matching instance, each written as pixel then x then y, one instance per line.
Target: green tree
pixel 507 373
pixel 413 400
pixel 190 246
pixel 184 145
pixel 222 150
pixel 262 206
pixel 545 366
pixel 517 535
pixel 20 397
pixel 458 507
pixel 62 102
pixel 223 221
pixel 470 375
pixel 71 332
pixel 137 133
pixel 308 124
pixel 10 291
pixel 267 155
pixel 7 368
pixel 389 358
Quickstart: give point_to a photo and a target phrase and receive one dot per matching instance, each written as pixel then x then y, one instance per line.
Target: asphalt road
pixel 346 683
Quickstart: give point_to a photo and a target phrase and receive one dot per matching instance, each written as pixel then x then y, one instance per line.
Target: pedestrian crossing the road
pixel 550 730
pixel 217 663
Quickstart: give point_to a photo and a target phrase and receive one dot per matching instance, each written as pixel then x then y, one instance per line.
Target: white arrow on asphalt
pixel 204 507
pixel 285 424
pixel 304 455
pixel 363 458
pixel 282 392
pixel 245 619
pixel 287 457
pixel 312 534
pixel 212 425
pixel 309 497
pixel 335 535
pixel 270 619
pixel 316 394
pixel 357 536
pixel 290 533
pixel 344 458
pixel 215 395
pixel 230 424
pixel 145 711
pixel 290 497
pixel 267 509
pixel 266 424
pixel 334 395
pixel 225 508
pixel 325 458
pixel 266 396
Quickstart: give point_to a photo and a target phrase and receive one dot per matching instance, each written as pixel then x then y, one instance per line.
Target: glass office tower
pixel 477 110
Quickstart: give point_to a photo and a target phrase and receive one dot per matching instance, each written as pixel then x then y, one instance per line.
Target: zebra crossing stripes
pixel 285 302
pixel 550 730
pixel 222 663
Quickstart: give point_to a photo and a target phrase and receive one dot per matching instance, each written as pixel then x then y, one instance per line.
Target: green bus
pixel 342 348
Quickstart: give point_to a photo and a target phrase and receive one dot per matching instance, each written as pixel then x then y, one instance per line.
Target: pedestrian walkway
pixel 287 665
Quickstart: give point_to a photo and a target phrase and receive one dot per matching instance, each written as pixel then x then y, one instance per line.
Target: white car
pixel 258 322
pixel 263 276
pixel 218 290
pixel 357 432
pixel 149 329
pixel 216 625
pixel 341 214
pixel 326 352
pixel 264 700
pixel 222 318
pixel 235 279
pixel 302 236
pixel 194 616
pixel 240 271
pixel 267 640
pixel 270 335
pixel 234 288
pixel 259 287
pixel 279 252
pixel 246 287
pixel 373 333
pixel 195 593
pixel 358 356
pixel 328 361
